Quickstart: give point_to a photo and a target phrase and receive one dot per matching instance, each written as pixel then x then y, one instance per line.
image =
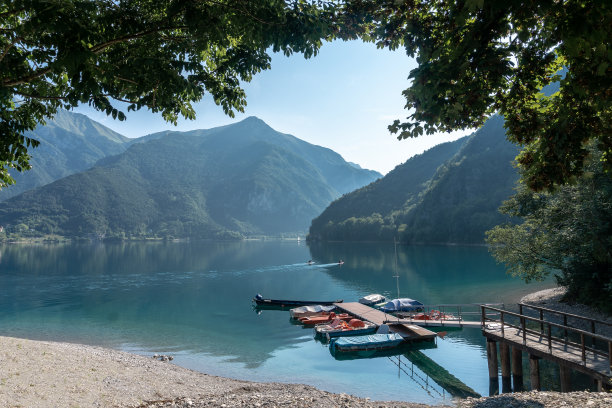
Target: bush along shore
pixel 51 374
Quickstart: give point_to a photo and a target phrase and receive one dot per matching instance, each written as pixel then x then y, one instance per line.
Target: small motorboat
pixel 306 311
pixel 338 327
pixel 378 341
pixel 260 300
pixel 312 320
pixel 372 299
pixel 433 315
pixel 402 305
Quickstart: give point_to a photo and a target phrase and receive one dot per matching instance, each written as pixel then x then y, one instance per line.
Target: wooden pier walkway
pixel 408 331
pixel 440 323
pixel 542 337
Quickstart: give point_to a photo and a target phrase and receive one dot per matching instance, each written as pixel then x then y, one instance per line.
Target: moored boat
pixel 314 310
pixel 433 315
pixel 402 305
pixel 372 299
pixel 260 300
pixel 312 320
pixel 338 328
pixel 377 341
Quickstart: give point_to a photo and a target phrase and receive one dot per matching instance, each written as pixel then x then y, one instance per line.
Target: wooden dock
pixel 571 348
pixel 441 323
pixel 410 332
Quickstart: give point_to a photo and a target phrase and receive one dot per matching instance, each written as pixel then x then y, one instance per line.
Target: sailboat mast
pixel 396 274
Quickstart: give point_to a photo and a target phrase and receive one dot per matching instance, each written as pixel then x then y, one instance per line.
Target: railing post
pixel 524 331
pixel 583 348
pixel 593 331
pixel 565 324
pixel 484 315
pixel 549 339
pixel 541 321
pixel 501 319
pixel 520 308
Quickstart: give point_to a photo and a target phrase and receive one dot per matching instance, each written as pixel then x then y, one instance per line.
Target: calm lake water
pixel 193 301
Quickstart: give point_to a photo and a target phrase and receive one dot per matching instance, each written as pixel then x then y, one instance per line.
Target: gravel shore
pixel 50 374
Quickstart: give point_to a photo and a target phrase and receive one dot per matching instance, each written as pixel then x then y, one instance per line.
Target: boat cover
pixel 402 305
pixel 372 299
pixel 368 341
pixel 311 309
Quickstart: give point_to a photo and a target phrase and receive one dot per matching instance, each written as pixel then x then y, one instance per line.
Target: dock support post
pixel 493 368
pixel 601 385
pixel 534 372
pixel 504 352
pixel 517 369
pixel 565 377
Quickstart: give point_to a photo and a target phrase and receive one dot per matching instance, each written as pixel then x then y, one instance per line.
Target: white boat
pixel 314 310
pixel 372 299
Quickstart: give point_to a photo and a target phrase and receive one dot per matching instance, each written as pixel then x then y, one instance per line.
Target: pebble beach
pixel 52 374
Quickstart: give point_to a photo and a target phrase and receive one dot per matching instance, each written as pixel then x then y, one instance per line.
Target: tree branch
pixel 101 47
pixel 8 47
pixel 24 80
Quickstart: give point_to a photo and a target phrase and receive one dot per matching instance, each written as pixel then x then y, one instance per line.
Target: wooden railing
pixel 459 311
pixel 546 330
pixel 541 310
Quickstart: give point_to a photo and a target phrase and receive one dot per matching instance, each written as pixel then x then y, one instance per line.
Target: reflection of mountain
pixel 431 274
pixel 158 296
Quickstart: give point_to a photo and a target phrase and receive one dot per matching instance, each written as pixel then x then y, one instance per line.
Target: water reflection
pixel 194 300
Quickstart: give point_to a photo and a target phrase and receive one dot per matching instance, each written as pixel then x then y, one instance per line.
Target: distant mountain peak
pixel 253 122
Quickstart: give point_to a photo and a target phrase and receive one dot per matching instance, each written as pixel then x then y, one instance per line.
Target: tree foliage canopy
pixel 568 233
pixel 159 54
pixel 476 57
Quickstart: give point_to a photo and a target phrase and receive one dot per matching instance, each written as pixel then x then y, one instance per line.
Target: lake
pixel 193 300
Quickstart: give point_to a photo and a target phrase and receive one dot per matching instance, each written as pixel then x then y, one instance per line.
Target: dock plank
pixel 410 332
pixel 441 323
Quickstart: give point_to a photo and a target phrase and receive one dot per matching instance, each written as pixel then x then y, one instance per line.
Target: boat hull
pixel 369 342
pixel 342 333
pixel 293 303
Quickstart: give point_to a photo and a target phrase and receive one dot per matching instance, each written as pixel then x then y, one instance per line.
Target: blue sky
pixel 343 99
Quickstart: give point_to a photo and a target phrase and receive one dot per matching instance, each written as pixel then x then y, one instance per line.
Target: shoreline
pixel 53 374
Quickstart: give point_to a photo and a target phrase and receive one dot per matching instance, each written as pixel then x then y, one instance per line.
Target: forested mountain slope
pixel 449 194
pixel 69 143
pixel 233 181
pixel 400 187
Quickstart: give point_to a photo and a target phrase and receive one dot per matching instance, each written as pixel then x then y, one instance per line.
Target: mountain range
pixel 69 143
pixel 232 181
pixel 449 194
